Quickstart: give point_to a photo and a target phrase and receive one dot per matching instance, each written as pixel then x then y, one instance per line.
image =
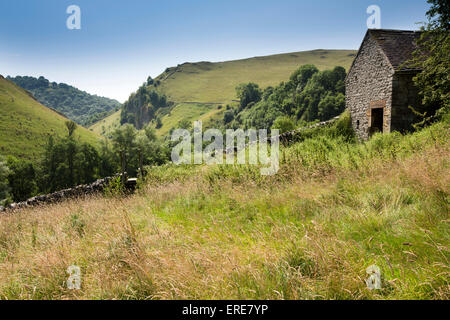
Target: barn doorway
pixel 377 116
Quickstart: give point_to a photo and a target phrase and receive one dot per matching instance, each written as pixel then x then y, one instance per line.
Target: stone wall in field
pixel 76 192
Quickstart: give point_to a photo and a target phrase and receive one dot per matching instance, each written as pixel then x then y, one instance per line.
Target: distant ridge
pixel 25 124
pixel 75 104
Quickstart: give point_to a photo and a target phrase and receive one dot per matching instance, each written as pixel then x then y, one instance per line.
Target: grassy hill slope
pixel 25 124
pixel 207 82
pixel 199 88
pixel 207 85
pixel 106 125
pixel 80 106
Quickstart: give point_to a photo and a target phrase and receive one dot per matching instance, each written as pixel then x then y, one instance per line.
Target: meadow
pixel 335 207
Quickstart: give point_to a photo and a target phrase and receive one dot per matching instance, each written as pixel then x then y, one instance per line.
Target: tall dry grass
pixel 309 232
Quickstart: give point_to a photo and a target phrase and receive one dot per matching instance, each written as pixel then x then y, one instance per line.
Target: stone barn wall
pixel 369 82
pixel 405 94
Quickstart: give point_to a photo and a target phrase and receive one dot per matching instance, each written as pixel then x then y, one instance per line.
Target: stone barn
pixel 379 85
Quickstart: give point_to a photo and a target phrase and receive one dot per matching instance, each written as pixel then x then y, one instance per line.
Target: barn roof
pixel 397 45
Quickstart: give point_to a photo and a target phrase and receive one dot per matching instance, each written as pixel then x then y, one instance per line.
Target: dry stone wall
pixel 79 191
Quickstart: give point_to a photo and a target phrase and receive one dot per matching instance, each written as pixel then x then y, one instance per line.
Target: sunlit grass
pixel 25 124
pixel 225 232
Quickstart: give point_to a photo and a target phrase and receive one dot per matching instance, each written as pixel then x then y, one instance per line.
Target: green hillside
pixel 107 124
pixel 25 124
pixel 198 89
pixel 207 82
pixel 206 86
pixel 77 105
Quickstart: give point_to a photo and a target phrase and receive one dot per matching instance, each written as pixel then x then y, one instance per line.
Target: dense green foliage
pixel 309 95
pixel 21 178
pixel 68 162
pixel 137 149
pixel 77 105
pixel 4 187
pixel 142 105
pixel 248 93
pixel 284 124
pixel 433 56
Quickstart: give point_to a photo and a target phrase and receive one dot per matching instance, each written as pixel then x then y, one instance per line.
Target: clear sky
pixel 121 43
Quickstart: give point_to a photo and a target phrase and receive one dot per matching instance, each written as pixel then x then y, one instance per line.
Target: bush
pixel 284 124
pixel 115 188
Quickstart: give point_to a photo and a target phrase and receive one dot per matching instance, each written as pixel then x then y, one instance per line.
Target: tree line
pixel 309 95
pixel 68 162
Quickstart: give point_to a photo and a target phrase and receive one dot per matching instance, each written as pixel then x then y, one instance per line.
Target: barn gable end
pixel 379 86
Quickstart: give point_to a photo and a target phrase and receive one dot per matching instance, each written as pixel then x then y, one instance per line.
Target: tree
pixel 301 97
pixel 144 141
pixel 142 106
pixel 71 147
pixel 108 159
pixel 331 106
pixel 247 93
pixel 284 124
pixel 439 15
pixel 71 127
pixel 123 143
pixel 301 76
pixel 433 57
pixel 67 163
pixel 21 179
pixel 4 188
pixel 185 124
pixel 87 162
pixel 159 123
pixel 228 116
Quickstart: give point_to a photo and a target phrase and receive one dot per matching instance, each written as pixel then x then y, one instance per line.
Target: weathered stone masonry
pixel 76 192
pixel 379 87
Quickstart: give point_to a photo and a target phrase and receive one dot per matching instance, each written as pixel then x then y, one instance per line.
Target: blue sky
pixel 122 42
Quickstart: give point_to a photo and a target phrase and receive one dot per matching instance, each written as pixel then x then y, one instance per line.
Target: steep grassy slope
pixel 207 82
pixel 209 85
pixel 25 124
pixel 80 106
pixel 199 88
pixel 106 125
pixel 226 232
